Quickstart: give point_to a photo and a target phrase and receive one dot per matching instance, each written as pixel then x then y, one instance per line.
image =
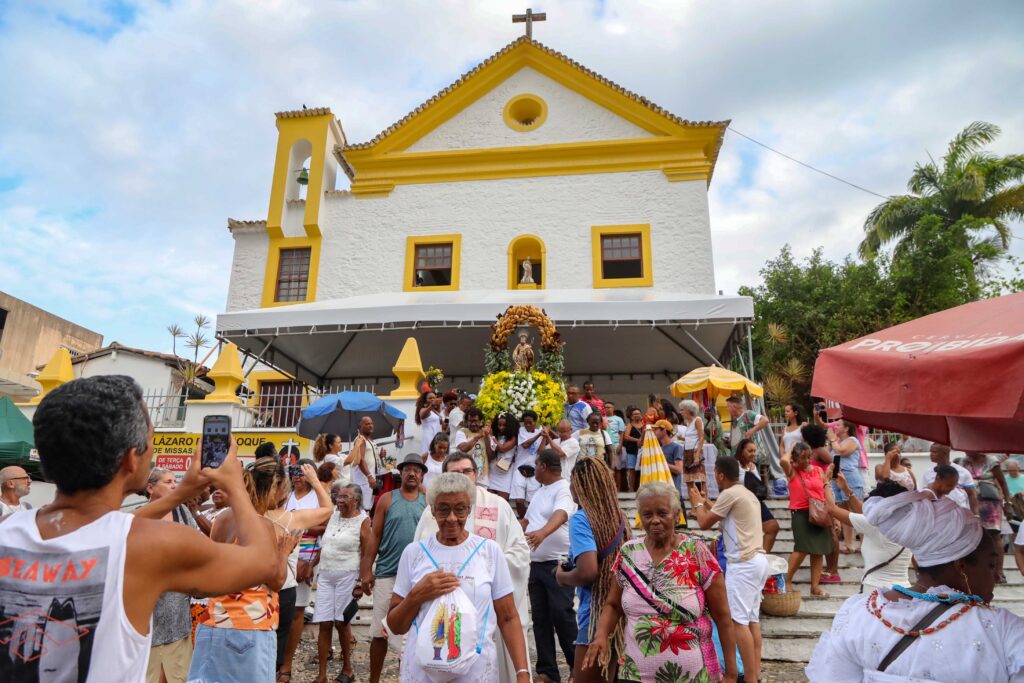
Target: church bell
pixel 303 178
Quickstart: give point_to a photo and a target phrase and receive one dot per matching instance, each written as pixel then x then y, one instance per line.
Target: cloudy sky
pixel 132 130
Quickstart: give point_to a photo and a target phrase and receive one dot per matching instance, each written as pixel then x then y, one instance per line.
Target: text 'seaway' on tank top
pixel 62 612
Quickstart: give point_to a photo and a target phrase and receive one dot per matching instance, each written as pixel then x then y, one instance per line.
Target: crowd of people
pixel 490 536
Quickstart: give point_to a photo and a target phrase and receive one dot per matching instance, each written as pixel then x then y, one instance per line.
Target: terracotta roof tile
pixel 299 113
pixel 558 55
pixel 234 223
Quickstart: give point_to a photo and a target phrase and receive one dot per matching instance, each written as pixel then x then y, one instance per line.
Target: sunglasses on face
pixel 443 511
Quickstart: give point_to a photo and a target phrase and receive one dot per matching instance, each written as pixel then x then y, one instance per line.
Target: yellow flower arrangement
pixel 515 392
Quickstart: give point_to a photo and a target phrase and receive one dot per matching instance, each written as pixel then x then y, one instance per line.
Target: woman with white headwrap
pixel 954 634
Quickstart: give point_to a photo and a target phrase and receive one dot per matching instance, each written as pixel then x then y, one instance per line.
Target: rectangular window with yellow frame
pixel 622 255
pixel 432 263
pixel 292 275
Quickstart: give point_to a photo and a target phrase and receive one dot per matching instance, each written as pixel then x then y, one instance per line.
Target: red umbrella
pixel 956 377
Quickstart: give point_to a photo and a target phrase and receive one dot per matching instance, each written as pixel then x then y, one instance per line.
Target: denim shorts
pixel 227 654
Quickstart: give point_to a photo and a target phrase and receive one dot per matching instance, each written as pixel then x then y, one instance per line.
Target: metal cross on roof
pixel 528 19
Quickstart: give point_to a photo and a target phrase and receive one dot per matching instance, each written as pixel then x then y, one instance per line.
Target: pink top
pixel 814 483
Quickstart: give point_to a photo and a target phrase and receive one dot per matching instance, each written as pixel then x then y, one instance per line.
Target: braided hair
pixel 261 479
pixel 595 491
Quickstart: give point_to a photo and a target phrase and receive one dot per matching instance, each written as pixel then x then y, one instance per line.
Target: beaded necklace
pixel 950 598
pixel 874 609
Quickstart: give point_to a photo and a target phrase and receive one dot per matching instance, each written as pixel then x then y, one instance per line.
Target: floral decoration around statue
pixel 523 380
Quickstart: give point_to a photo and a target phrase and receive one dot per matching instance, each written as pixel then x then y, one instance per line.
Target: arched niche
pixel 521 248
pixel 299 158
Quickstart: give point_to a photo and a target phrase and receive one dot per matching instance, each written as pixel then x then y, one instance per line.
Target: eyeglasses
pixel 17 478
pixel 467 471
pixel 443 511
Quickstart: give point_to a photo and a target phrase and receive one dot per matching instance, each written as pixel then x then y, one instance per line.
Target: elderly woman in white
pixel 450 559
pixel 942 627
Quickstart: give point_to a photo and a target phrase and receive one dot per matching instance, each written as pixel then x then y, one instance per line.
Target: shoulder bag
pixel 753 483
pixel 879 566
pixel 817 511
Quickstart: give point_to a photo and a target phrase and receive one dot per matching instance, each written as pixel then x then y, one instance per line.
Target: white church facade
pixel 530 157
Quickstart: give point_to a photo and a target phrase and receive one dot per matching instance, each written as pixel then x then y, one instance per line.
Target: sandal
pixel 284 676
pixel 344 678
pixel 829 578
pixel 820 593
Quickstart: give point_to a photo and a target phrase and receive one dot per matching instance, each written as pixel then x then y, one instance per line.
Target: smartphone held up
pixel 216 439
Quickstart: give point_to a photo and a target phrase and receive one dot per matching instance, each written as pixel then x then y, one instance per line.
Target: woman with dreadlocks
pixel 596 532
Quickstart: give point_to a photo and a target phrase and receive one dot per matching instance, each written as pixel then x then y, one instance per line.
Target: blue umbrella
pixel 340 414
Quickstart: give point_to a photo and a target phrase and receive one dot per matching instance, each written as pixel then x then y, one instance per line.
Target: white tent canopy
pixel 612 332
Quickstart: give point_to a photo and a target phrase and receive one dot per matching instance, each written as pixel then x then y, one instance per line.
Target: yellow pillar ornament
pixel 227 376
pixel 409 371
pixel 58 371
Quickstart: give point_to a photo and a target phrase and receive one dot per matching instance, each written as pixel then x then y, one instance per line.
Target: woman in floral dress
pixel 669 588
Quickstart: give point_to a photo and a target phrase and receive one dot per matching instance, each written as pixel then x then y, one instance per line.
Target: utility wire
pixel 805 165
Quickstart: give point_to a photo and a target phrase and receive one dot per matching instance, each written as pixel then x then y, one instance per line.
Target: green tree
pixel 973 192
pixel 188 369
pixel 803 307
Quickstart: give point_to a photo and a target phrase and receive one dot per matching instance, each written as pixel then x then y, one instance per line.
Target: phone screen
pixel 836 461
pixel 216 439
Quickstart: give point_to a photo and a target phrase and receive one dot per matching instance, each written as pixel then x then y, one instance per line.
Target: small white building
pixel 529 155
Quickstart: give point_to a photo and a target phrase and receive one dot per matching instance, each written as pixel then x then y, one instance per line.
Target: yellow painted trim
pixel 500 69
pixel 315 130
pixel 682 151
pixel 680 158
pixel 513 122
pixel 412 242
pixel 408 370
pixel 513 267
pixel 273 260
pixel 599 231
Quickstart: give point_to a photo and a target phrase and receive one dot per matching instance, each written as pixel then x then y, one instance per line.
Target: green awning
pixel 16 439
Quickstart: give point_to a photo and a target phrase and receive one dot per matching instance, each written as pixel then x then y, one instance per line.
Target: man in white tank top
pixel 79 578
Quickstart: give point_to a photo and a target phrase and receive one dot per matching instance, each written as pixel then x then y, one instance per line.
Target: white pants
pixel 744 582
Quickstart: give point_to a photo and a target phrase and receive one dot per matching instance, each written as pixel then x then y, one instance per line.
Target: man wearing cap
pixel 955 635
pixel 394 527
pixel 15 484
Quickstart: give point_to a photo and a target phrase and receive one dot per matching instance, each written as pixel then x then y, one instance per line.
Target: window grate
pixel 292 274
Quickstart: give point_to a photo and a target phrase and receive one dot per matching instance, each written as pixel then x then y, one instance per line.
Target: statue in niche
pixel 527 277
pixel 522 355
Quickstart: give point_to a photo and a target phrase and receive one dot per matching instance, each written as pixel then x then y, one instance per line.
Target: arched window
pixel 519 250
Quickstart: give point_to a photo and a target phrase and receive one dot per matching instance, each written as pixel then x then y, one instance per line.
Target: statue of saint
pixel 527 278
pixel 522 355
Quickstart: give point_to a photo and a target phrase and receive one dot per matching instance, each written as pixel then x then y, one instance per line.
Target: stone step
pixel 792 649
pixel 853 574
pixel 827 607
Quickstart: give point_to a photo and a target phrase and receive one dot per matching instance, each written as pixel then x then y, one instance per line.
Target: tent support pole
pixel 259 357
pixel 750 351
pixel 712 356
pixel 676 342
pixel 320 379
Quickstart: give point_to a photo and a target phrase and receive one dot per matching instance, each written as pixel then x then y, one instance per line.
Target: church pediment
pixel 531 111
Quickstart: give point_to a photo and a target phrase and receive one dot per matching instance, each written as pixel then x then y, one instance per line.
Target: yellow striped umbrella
pixel 654 467
pixel 715 381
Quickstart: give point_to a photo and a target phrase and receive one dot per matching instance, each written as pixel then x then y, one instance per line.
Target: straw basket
pixel 781 604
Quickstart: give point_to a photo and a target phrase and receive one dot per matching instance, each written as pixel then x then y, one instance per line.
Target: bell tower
pixel 304 165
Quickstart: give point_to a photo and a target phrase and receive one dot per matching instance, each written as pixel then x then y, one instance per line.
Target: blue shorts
pixel 842 497
pixel 582 627
pixel 227 654
pixel 629 460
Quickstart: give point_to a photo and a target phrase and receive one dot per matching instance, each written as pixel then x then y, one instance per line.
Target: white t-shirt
pixel 477 452
pixel 957 495
pixel 527 456
pixel 6 510
pixel 455 419
pixel 307 502
pixel 571 447
pixel 592 444
pixel 484 579
pixel 433 470
pixel 546 501
pixel 876 549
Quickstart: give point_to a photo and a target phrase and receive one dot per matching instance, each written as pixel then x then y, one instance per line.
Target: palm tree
pixel 969 183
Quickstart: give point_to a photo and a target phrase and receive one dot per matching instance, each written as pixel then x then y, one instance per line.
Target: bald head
pixel 564 429
pixel 14 483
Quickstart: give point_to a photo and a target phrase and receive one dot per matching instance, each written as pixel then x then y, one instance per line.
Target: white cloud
pixel 137 128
